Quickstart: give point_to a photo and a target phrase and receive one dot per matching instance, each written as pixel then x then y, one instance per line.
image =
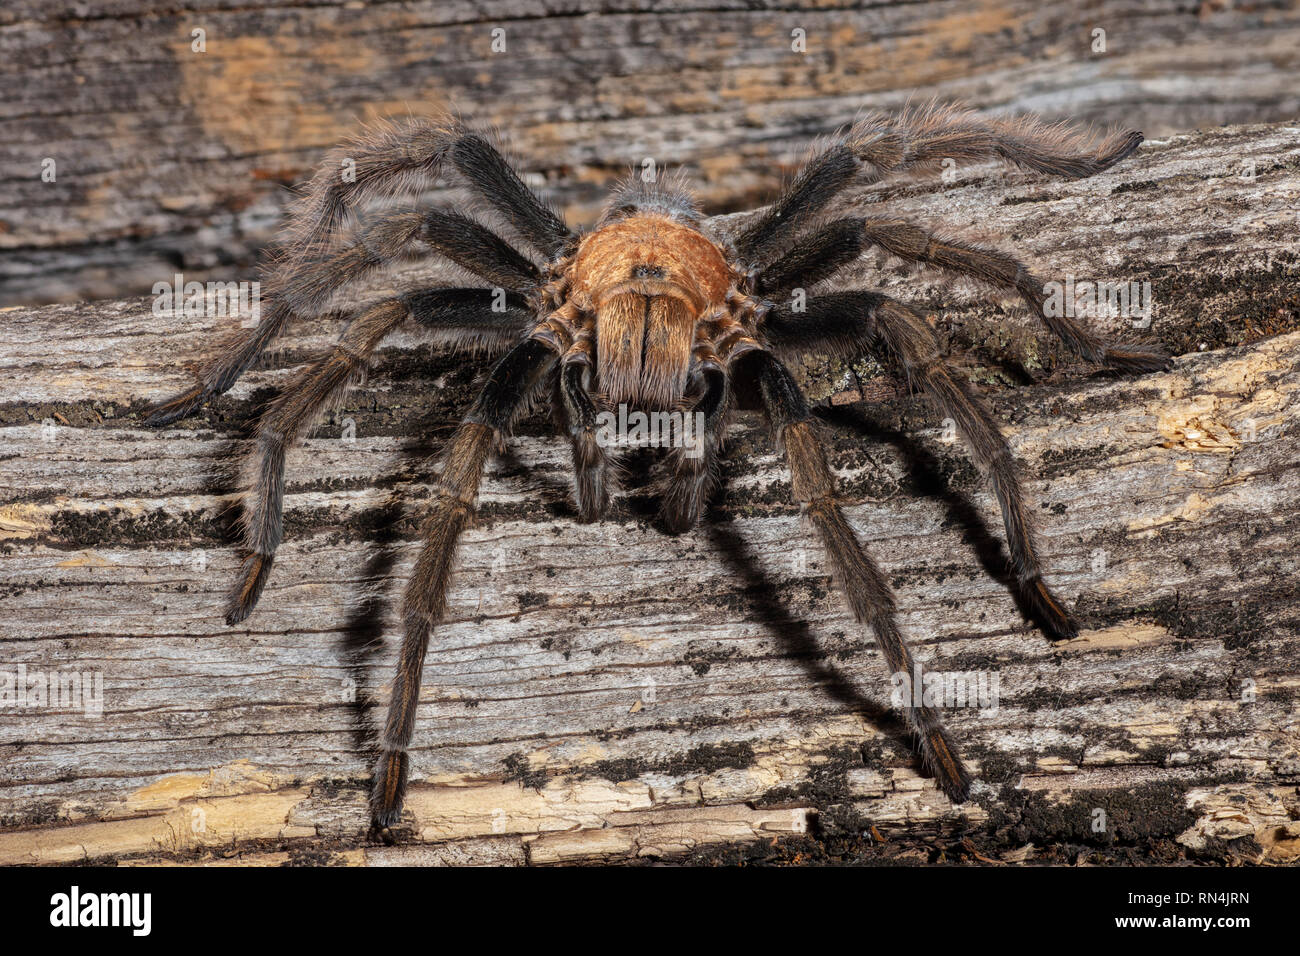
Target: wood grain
pixel 166 156
pixel 608 693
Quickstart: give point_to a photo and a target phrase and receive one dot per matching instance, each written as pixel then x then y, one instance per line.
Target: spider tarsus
pixel 386 797
pixel 1049 611
pixel 1137 359
pixel 683 500
pixel 957 789
pixel 177 407
pixel 248 587
pixel 1132 140
pixel 940 756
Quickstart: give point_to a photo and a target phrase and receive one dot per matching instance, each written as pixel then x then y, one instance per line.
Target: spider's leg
pixel 884 144
pixel 460 316
pixel 997 269
pixel 820 180
pixel 510 385
pixel 692 465
pixel 818 255
pixel 499 185
pixel 385 161
pixel 929 134
pixel 846 323
pixel 868 592
pixel 302 288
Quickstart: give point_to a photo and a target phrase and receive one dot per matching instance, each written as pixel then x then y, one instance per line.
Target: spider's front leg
pixel 509 388
pixel 869 594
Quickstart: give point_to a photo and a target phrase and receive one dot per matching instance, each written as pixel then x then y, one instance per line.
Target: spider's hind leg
pixel 845 323
pixel 868 592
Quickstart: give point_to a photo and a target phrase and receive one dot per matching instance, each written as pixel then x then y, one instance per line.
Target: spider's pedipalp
pixel 691 469
pixel 847 323
pixel 867 591
pixel 580 417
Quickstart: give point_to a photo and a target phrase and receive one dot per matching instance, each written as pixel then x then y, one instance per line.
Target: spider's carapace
pixel 648 279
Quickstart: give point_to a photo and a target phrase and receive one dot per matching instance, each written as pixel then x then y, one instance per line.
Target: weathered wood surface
pixel 166 156
pixel 609 693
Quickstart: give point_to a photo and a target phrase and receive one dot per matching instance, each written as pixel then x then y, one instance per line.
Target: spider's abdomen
pixel 647 279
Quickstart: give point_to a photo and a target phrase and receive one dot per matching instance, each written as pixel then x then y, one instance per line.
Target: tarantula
pixel 650 311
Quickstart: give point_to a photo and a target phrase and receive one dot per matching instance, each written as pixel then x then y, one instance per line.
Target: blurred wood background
pixel 167 158
pixel 607 693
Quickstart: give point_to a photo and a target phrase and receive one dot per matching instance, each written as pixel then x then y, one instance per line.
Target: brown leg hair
pixel 884 144
pixel 460 316
pixel 509 388
pixel 387 161
pixel 840 242
pixel 847 323
pixel 868 593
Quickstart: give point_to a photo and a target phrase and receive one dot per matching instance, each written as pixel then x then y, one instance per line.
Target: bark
pixel 607 692
pixel 166 156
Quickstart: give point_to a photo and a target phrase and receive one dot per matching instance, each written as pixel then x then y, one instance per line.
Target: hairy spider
pixel 646 310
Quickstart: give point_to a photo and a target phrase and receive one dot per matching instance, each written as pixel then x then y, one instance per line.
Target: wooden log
pixel 166 154
pixel 608 693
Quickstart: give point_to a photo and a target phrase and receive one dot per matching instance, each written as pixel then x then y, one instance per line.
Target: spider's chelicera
pixel 646 313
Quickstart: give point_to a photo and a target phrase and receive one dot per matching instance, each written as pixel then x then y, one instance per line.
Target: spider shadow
pixel 762 596
pixel 925 472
